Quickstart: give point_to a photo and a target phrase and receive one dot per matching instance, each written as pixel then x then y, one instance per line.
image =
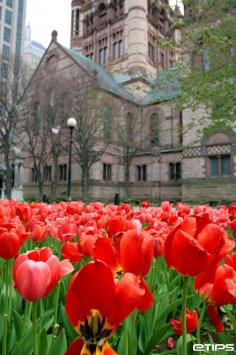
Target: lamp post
pixel 71 124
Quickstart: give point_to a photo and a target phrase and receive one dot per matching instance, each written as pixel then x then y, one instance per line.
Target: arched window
pixel 66 105
pixel 218 162
pixel 36 116
pixel 102 10
pixel 130 125
pixel 154 128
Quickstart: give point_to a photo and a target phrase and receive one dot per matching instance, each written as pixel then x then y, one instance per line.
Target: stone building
pixel 113 42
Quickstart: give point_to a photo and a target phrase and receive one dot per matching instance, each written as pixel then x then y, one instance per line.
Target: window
pixel 47 174
pixel 66 105
pixel 36 116
pixel 102 10
pixel 141 172
pixel 220 165
pixel 154 128
pixel 77 22
pixel 103 56
pixel 63 172
pixel 106 171
pixel 8 17
pixel 7 34
pixel 175 171
pixel 9 3
pixel 151 52
pixel 4 70
pixel 117 49
pixel 5 52
pixel 162 60
pixel 130 126
pixel 90 56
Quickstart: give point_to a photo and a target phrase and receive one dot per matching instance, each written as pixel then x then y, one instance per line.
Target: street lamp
pixel 71 124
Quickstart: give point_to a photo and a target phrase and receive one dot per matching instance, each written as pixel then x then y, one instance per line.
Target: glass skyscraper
pixel 12 25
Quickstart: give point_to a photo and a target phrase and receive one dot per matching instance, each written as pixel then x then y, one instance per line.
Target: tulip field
pixel 96 279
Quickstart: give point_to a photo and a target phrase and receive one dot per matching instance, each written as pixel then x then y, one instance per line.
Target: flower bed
pixel 105 279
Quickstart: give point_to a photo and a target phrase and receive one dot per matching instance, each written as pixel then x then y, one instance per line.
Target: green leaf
pixel 59 345
pixel 128 341
pixel 43 343
pixel 70 331
pixel 11 338
pixel 23 345
pixel 156 337
pixel 46 320
pixel 189 343
pixel 1 326
pixel 18 322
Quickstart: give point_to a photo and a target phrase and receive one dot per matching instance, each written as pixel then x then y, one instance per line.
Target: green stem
pixel 4 340
pixel 34 320
pixel 200 324
pixel 126 339
pixel 56 298
pixel 27 313
pixel 10 283
pixel 184 307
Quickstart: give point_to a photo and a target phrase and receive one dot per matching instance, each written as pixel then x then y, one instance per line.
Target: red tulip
pixel 96 304
pixel 170 342
pixel 215 318
pixel 217 285
pixel 11 239
pixel 9 245
pixel 145 204
pixel 37 272
pixel 231 260
pixel 71 251
pixel 191 322
pixel 136 252
pixel 195 245
pixel 133 255
pixel 39 233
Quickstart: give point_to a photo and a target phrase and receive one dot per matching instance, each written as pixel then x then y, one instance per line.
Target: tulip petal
pixel 215 318
pixel 129 295
pixel 104 251
pixel 92 287
pixel 75 347
pixel 187 256
pixel 147 299
pixel 211 238
pixel 33 279
pixel 136 252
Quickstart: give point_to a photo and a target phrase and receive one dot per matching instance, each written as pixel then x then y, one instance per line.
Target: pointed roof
pixel 105 80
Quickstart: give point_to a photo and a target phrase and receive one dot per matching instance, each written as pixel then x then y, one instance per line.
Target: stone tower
pixel 122 35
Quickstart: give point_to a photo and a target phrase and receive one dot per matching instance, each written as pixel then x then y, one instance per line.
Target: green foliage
pixel 209 39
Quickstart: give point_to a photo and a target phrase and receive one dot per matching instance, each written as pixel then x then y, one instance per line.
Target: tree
pixel 131 141
pixel 90 110
pixel 54 101
pixel 44 124
pixel 12 87
pixel 209 41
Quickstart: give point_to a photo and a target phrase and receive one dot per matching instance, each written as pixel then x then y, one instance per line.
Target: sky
pixel 45 16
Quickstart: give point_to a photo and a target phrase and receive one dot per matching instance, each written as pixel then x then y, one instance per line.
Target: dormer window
pixel 102 10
